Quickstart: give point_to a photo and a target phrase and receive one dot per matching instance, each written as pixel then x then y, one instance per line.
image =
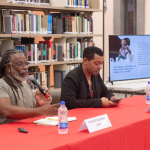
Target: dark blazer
pixel 74 93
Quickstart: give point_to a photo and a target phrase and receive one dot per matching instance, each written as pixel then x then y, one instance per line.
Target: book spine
pixel 75 3
pixel 67 3
pixel 56 52
pixel 68 52
pixel 47 52
pixel 35 49
pixel 24 18
pixel 77 51
pixel 41 49
pixel 22 24
pixel 82 3
pixel 34 20
pixel 50 46
pixel 39 52
pixel 32 24
pixel 87 3
pixel 44 53
pixel 29 53
pixel 49 24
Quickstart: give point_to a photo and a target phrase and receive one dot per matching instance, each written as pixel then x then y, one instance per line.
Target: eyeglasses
pixel 21 65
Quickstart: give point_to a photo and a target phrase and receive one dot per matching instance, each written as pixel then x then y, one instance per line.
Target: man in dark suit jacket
pixel 83 86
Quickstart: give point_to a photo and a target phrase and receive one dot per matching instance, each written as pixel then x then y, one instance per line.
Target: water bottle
pixel 62 119
pixel 148 93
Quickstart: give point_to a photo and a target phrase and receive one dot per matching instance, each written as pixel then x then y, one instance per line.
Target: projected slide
pixel 129 57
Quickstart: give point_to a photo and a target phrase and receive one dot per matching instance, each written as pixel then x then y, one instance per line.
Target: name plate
pixel 95 124
pixel 148 109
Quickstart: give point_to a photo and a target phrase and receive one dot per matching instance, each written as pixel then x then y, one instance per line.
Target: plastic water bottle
pixel 62 119
pixel 148 93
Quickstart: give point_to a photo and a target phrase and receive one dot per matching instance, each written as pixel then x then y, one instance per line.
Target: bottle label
pixel 147 97
pixel 62 125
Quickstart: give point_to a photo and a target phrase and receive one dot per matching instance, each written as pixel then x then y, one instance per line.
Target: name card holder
pixel 95 124
pixel 148 109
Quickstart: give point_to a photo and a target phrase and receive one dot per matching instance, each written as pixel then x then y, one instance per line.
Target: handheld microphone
pixel 31 78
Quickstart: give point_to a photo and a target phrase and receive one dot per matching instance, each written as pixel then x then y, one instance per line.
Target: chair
pixel 55 96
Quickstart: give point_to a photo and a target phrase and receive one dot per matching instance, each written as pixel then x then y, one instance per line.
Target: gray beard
pixel 16 75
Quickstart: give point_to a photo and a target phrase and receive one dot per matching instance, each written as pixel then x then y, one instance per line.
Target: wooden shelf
pixel 4 5
pixel 56 63
pixel 49 35
pixel 54 89
pixel 53 35
pixel 41 8
pixel 5 35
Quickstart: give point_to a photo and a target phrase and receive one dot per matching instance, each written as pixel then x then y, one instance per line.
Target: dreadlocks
pixel 5 60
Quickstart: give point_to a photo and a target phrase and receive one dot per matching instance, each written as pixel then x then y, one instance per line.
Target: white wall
pixel 147 18
pixel 108 30
pixel 98 28
pixel 132 7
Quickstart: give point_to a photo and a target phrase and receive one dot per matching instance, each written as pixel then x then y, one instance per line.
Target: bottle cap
pixel 148 82
pixel 62 103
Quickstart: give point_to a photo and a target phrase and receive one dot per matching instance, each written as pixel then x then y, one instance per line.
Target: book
pixel 51 121
pixel 6 44
pixel 7 24
pixel 49 24
pixel 49 49
pixel 59 25
pixel 59 76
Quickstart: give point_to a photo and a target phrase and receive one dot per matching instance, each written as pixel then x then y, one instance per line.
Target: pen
pixel 52 119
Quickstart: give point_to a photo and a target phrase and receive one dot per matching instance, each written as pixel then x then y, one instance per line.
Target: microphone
pixel 31 78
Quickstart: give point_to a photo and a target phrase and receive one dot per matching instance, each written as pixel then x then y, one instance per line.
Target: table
pixel 128 87
pixel 130 130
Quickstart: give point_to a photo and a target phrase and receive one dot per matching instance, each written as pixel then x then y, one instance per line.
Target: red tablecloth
pixel 130 130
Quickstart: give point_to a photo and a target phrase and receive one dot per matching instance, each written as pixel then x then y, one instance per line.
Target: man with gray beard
pixel 16 97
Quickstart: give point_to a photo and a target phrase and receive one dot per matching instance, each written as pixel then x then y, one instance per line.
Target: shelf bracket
pixel 88 39
pixel 88 14
pixel 47 38
pixel 46 12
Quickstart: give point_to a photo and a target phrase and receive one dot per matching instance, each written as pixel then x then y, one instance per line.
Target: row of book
pixel 27 24
pixel 77 3
pixel 34 2
pixel 48 51
pixel 40 77
pixel 77 25
pixel 59 75
pixel 67 3
pixel 54 23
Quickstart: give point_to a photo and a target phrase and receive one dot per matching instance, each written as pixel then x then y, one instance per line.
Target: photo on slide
pixel 129 57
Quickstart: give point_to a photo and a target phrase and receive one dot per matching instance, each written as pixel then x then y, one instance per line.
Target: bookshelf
pixel 51 35
pixel 94 7
pixel 56 63
pixel 15 6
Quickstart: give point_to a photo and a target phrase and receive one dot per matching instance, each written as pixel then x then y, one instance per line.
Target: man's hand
pixel 107 103
pixel 40 98
pixel 49 110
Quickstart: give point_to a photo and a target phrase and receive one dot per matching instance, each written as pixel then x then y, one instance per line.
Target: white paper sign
pixel 95 124
pixel 148 109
